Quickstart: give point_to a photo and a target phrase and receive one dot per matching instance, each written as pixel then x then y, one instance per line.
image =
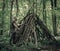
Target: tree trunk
pixel 3 11
pixel 44 15
pixel 17 7
pixel 44 11
pixel 11 14
pixel 35 35
pixel 53 6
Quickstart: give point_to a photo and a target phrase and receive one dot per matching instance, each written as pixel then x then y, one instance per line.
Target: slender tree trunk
pixel 11 9
pixel 55 3
pixel 3 11
pixel 35 35
pixel 17 7
pixel 44 16
pixel 44 11
pixel 33 7
pixel 11 14
pixel 53 6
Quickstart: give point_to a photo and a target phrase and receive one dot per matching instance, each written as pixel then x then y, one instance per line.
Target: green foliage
pixel 24 6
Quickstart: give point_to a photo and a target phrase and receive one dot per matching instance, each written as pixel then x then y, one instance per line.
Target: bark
pixel 45 29
pixel 44 14
pixel 17 7
pixel 11 14
pixel 44 11
pixel 53 6
pixel 3 11
pixel 35 35
pixel 29 25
